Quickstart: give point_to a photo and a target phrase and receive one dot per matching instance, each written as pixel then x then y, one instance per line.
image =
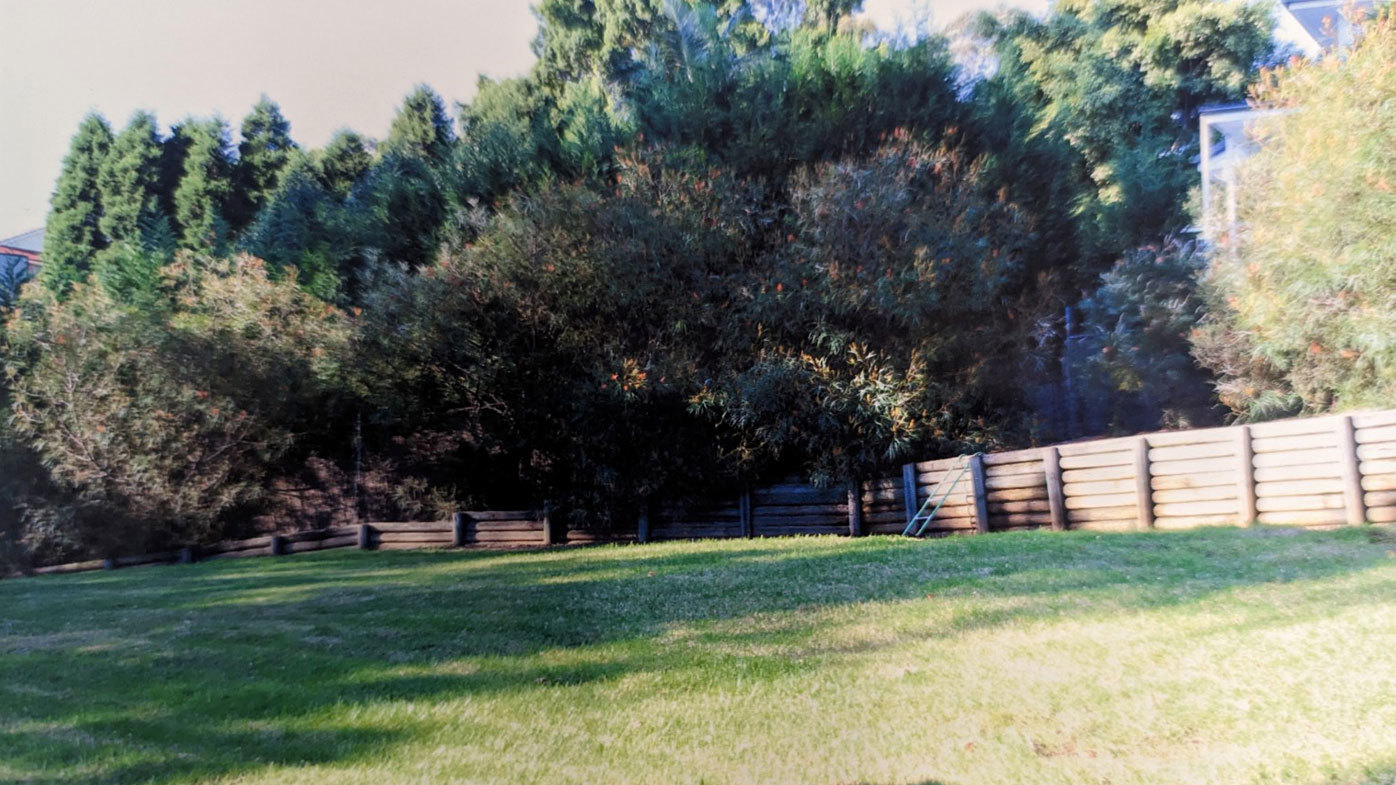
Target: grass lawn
pixel 1216 656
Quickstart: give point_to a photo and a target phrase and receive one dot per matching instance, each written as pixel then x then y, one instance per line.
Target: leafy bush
pixel 1303 301
pixel 164 417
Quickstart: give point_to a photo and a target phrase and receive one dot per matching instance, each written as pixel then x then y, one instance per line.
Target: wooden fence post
pixel 1056 501
pixel 548 536
pixel 1144 492
pixel 855 509
pixel 744 514
pixel 186 555
pixel 365 536
pixel 981 494
pixel 642 527
pixel 1245 480
pixel 1352 473
pixel 909 490
pixel 458 529
pixel 278 545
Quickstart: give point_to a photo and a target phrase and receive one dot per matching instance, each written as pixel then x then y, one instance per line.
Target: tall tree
pixel 265 148
pixel 73 232
pixel 343 162
pixel 421 128
pixel 129 180
pixel 204 188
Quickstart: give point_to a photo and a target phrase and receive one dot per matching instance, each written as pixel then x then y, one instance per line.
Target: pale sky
pixel 330 64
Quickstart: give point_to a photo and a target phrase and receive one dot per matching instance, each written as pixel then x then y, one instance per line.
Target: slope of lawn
pixel 1219 656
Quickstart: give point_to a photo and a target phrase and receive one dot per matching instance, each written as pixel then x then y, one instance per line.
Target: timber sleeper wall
pixel 1321 471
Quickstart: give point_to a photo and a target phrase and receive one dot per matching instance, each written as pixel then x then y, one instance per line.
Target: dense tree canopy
pixel 697 244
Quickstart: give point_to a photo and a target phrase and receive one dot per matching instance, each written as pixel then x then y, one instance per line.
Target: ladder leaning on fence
pixel 936 498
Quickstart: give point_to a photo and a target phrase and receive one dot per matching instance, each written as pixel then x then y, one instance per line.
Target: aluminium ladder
pixel 922 516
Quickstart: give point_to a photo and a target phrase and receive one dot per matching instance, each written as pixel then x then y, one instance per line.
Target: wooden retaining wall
pixel 1319 472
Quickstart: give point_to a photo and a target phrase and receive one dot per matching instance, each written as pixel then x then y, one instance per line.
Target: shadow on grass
pixel 186 673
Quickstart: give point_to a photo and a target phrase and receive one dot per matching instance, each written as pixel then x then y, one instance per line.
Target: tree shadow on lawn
pixel 190 672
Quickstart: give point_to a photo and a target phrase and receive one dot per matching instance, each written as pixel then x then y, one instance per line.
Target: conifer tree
pixel 129 180
pixel 343 162
pixel 421 128
pixel 265 148
pixel 73 233
pixel 202 195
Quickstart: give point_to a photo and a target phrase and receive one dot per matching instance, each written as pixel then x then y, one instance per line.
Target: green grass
pixel 1219 656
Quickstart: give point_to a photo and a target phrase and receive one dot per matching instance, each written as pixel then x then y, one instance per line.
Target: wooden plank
pixel 1184 438
pixel 1028 455
pixel 1373 452
pixel 329 543
pixel 1325 501
pixel 1092 447
pixel 1022 520
pixel 1309 441
pixel 1208 493
pixel 981 500
pixel 1299 487
pixel 1313 458
pixel 1010 481
pixel 1143 489
pixel 1018 494
pixel 1245 476
pixel 1374 435
pixel 501 515
pixel 1181 522
pixel 1297 472
pixel 1117 525
pixel 1099 486
pixel 1008 469
pixel 1095 460
pixel 1351 473
pixel 1378 482
pixel 1104 473
pixel 1225 466
pixel 1303 517
pixel 1189 451
pixel 1101 500
pixel 1379 467
pixel 836 510
pixel 413 526
pixel 441 538
pixel 1185 481
pixel 1031 505
pixel 1128 512
pixel 1382 514
pixel 1293 427
pixel 1377 419
pixel 855 510
pixel 1223 507
pixel 807 495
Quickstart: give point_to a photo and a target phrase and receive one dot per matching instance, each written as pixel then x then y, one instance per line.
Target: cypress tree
pixel 421 128
pixel 129 180
pixel 173 150
pixel 343 162
pixel 265 148
pixel 202 195
pixel 73 231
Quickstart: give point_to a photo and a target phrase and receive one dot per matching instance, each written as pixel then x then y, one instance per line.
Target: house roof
pixel 28 244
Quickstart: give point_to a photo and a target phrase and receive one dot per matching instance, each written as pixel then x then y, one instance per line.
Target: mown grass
pixel 1219 656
